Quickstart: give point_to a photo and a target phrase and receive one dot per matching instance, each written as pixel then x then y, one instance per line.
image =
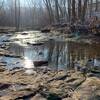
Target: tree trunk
pixel 17 14
pixel 2 3
pixel 73 11
pixel 50 12
pixel 96 9
pixel 57 11
pixel 91 5
pixel 79 9
pixel 84 10
pixel 69 10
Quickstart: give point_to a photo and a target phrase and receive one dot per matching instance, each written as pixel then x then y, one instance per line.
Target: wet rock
pixel 38 97
pixel 84 70
pixel 97 34
pixel 19 87
pixel 40 63
pixel 4 86
pixel 45 30
pixel 49 95
pixel 8 54
pixel 61 75
pixel 89 90
pixel 7 97
pixel 90 75
pixel 70 36
pixel 93 74
pixel 58 85
pixel 30 71
pixel 9 34
pixel 35 44
pixel 26 96
pixel 53 96
pixel 61 92
pixel 2 69
pixel 75 80
pixel 6 41
pixel 67 99
pixel 65 88
pixel 15 68
pixel 33 93
pixel 19 92
pixel 58 89
pixel 24 33
pixel 95 69
pixel 3 46
pixel 17 95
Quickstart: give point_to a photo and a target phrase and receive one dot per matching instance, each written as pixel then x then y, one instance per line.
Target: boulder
pixel 88 90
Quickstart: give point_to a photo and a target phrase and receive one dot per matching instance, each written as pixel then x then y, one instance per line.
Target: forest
pixel 49 49
pixel 36 14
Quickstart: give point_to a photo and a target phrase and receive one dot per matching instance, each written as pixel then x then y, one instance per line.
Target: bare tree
pixel 73 11
pixel 96 9
pixel 69 10
pixel 2 3
pixel 17 14
pixel 84 10
pixel 50 11
pixel 79 9
pixel 91 6
pixel 62 10
pixel 57 16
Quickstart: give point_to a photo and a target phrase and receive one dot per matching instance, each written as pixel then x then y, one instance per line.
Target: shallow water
pixel 59 54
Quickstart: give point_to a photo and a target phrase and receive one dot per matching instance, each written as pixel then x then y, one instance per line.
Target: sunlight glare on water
pixel 28 63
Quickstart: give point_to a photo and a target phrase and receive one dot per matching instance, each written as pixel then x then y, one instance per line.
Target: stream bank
pixel 57 81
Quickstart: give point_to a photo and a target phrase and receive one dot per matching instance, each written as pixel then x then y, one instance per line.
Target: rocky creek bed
pixel 49 85
pixel 44 84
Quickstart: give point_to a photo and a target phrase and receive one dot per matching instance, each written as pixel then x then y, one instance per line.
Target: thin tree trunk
pixel 96 9
pixel 69 10
pixel 84 10
pixel 1 4
pixel 79 9
pixel 91 5
pixel 57 12
pixel 49 8
pixel 73 11
pixel 17 14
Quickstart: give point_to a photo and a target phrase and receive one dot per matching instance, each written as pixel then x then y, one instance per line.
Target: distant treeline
pixel 39 13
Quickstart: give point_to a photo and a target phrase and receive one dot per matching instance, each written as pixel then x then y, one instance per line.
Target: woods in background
pixel 40 13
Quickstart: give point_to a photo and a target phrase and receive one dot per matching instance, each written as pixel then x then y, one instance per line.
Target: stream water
pixel 59 54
